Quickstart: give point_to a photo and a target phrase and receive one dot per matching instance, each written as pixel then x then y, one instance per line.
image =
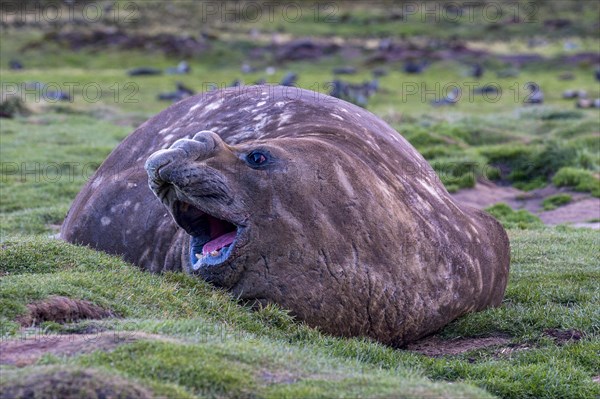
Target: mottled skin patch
pixel 352 231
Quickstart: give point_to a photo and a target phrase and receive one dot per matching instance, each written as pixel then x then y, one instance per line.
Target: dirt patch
pixel 24 352
pixel 579 212
pixel 518 60
pixel 405 51
pixel 588 58
pixel 303 49
pixel 170 44
pixel 501 346
pixel 560 337
pixel 435 346
pixel 70 384
pixel 532 200
pixel 486 194
pixel 563 336
pixel 61 309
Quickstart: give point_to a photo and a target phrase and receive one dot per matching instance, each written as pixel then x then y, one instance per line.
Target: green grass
pixel 206 344
pixel 578 179
pixel 511 219
pixel 46 158
pixel 554 201
pixel 221 349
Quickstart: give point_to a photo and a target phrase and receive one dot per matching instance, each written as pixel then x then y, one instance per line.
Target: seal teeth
pixel 212 253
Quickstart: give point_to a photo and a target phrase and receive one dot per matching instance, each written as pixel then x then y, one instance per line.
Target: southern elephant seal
pixel 289 196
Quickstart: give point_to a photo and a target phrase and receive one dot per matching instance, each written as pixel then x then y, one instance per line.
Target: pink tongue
pixel 218 243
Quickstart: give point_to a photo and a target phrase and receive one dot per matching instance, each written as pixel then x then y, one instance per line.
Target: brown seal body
pixel 288 196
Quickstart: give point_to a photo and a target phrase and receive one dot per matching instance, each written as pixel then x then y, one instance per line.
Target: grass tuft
pixel 578 179
pixel 510 218
pixel 554 201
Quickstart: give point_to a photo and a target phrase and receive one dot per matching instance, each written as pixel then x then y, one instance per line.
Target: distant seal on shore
pixel 289 196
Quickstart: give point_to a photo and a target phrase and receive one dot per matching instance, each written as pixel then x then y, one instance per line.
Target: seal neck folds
pixel 212 239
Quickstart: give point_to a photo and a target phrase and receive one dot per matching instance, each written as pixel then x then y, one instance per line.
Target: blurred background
pixel 502 97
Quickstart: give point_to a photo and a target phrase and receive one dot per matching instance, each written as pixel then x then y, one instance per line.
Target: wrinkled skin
pixel 347 226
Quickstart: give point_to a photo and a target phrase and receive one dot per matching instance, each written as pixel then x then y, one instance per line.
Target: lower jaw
pixel 216 258
pixel 213 260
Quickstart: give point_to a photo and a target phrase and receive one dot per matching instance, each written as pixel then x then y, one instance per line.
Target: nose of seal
pixel 202 146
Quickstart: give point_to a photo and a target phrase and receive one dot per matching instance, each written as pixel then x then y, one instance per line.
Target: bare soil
pixel 61 309
pixel 25 351
pixel 434 346
pixel 579 212
pixel 563 336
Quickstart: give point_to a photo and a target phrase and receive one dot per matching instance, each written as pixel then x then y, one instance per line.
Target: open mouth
pixel 212 239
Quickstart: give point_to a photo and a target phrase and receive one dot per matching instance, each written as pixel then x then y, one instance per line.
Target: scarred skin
pixel 349 228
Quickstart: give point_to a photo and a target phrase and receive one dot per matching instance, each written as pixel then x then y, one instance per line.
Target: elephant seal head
pixel 270 219
pixel 198 181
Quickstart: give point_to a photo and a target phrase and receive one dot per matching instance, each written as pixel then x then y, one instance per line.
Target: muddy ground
pixel 582 211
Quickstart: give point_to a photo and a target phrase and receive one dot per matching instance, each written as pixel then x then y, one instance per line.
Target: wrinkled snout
pixel 180 167
pixel 162 163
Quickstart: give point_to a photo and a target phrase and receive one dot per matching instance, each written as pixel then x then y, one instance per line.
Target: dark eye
pixel 256 158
